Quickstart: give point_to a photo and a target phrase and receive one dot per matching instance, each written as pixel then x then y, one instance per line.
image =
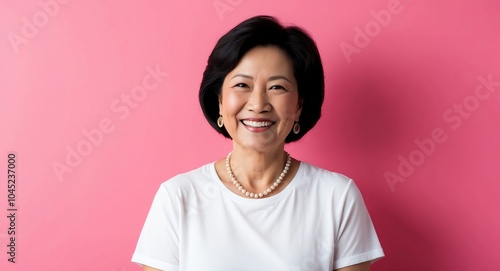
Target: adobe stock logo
pixel 122 106
pixel 363 37
pixel 31 27
pixel 224 6
pixel 454 116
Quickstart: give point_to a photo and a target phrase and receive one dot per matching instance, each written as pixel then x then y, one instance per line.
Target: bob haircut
pixel 262 31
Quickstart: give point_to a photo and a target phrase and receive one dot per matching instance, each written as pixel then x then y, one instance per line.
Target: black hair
pixel 262 31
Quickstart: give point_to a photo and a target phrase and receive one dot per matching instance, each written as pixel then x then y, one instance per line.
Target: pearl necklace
pixel 267 191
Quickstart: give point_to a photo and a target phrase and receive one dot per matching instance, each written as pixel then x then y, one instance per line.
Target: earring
pixel 220 122
pixel 296 128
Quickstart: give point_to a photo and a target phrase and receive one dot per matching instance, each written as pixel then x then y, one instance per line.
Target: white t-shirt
pixel 318 222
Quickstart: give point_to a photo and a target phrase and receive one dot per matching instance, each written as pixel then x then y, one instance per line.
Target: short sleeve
pixel 158 244
pixel 356 239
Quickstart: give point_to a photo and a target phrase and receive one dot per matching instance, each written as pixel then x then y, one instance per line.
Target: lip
pixel 257 119
pixel 257 129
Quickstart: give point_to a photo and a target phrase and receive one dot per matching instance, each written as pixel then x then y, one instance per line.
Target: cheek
pixel 231 103
pixel 289 109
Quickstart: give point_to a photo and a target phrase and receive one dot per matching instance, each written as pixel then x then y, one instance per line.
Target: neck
pixel 257 170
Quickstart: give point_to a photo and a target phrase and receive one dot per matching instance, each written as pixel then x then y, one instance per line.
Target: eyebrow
pixel 272 78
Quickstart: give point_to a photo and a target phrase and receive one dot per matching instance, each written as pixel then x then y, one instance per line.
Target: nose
pixel 258 101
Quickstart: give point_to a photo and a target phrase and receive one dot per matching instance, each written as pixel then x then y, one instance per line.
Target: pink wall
pixel 411 113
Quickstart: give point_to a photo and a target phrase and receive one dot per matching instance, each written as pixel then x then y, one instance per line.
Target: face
pixel 259 101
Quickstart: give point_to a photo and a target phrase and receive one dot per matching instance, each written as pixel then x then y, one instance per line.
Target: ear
pixel 299 109
pixel 220 104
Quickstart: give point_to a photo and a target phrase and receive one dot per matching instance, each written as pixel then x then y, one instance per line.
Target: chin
pixel 260 146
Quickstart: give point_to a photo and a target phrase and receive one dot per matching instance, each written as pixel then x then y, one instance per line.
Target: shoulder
pixel 328 185
pixel 189 180
pixel 324 177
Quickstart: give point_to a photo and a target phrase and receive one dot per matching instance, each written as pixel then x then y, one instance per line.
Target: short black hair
pixel 262 31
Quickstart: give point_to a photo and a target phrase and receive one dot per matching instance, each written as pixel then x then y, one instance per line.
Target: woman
pixel 258 208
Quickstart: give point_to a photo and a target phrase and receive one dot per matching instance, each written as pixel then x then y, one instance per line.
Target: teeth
pixel 257 123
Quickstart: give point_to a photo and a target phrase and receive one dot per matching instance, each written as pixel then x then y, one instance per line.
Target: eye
pixel 241 85
pixel 278 87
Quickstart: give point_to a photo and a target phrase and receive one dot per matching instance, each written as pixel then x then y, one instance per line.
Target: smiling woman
pixel 259 103
pixel 259 208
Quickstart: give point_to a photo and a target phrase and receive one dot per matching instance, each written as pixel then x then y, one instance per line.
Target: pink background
pixel 66 66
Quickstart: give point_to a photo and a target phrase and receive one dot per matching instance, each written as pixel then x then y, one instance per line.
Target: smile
pixel 257 124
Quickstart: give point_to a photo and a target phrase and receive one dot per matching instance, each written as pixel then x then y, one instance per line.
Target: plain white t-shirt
pixel 318 222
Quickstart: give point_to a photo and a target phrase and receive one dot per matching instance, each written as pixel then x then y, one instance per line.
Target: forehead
pixel 265 60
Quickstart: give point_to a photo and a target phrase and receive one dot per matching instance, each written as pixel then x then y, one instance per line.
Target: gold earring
pixel 296 128
pixel 220 122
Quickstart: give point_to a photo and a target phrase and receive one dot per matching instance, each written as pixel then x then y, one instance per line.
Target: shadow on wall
pixel 383 103
pixel 380 106
pixel 409 246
